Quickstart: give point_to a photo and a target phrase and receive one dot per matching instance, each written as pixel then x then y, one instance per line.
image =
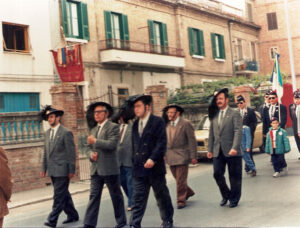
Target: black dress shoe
pixel 223 202
pixel 180 206
pixel 88 226
pixel 69 220
pixel 166 224
pixel 232 205
pixel 49 224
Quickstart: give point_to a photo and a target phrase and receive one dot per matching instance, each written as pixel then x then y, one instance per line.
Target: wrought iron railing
pixel 246 65
pixel 139 47
pixel 23 127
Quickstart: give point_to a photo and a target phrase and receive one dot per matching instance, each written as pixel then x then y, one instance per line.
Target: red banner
pixel 68 63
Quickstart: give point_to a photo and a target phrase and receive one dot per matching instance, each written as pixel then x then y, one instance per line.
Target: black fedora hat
pixel 223 90
pixel 90 112
pixel 146 99
pixel 48 110
pixel 178 108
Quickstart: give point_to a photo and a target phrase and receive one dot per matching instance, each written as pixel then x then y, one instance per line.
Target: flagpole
pixel 279 100
pixel 290 46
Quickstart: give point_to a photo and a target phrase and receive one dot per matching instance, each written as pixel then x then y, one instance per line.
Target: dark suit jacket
pixel 266 118
pixel 292 108
pixel 106 147
pixel 228 136
pixel 250 120
pixel 151 145
pixel 60 161
pixel 125 148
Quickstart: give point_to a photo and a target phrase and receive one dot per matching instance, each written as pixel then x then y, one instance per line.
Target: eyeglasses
pixel 272 98
pixel 266 96
pixel 98 112
pixel 240 103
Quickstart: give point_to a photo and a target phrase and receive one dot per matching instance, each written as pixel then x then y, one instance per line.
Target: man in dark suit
pixel 295 116
pixel 224 146
pixel 102 151
pixel 264 106
pixel 249 119
pixel 149 146
pixel 275 110
pixel 59 161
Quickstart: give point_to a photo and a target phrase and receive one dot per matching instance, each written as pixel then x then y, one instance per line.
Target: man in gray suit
pixel 59 161
pixel 224 146
pixel 102 151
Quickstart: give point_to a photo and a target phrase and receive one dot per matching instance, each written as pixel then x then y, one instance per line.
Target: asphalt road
pixel 266 201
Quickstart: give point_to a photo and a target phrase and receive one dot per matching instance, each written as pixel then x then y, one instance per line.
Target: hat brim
pixel 224 90
pixel 146 98
pixel 56 112
pixel 92 107
pixel 179 108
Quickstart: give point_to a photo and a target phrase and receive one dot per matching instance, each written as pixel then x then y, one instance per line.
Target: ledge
pixel 220 60
pixel 23 145
pixel 76 40
pixel 198 56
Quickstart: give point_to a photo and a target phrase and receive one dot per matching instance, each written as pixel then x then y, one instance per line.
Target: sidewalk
pixel 20 199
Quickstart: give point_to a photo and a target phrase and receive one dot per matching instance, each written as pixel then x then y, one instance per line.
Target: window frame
pixel 23 103
pixel 272 21
pixel 26 38
pixel 196 38
pixel 122 97
pixel 163 47
pixel 218 48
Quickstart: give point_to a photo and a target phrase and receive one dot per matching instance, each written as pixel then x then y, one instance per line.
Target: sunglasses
pixel 272 98
pixel 266 96
pixel 240 103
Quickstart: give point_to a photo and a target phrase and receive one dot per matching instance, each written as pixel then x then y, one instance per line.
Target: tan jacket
pixel 5 183
pixel 183 147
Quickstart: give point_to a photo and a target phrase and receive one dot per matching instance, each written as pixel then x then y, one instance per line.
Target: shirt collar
pixel 224 110
pixel 145 120
pixel 56 127
pixel 102 124
pixel 176 121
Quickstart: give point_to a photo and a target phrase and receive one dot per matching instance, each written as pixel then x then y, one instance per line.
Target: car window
pixel 204 124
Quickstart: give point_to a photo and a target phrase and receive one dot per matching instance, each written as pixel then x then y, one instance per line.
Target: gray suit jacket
pixel 229 136
pixel 60 161
pixel 106 147
pixel 125 148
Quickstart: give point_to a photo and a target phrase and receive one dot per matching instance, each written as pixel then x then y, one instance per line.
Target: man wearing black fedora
pixel 181 151
pixel 295 116
pixel 59 162
pixel 224 146
pixel 102 152
pixel 149 146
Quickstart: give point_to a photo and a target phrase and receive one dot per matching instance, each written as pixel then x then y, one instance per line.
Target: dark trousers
pixel 113 185
pixel 62 200
pixel 180 173
pixel 126 182
pixel 141 189
pixel 235 176
pixel 251 152
pixel 297 139
pixel 278 162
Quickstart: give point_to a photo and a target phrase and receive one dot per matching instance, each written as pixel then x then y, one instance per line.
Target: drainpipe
pixel 230 23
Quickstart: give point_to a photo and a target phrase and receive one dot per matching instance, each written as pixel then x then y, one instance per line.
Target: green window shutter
pixel 65 17
pixel 213 45
pixel 222 47
pixel 164 35
pixel 201 43
pixel 124 28
pixel 108 28
pixel 191 41
pixel 84 22
pixel 151 31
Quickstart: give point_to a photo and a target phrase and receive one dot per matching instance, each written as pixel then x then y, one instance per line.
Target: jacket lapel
pixel 47 141
pixel 178 130
pixel 57 135
pixel 146 128
pixel 225 118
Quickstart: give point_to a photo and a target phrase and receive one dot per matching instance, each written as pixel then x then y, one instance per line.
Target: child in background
pixel 246 146
pixel 277 144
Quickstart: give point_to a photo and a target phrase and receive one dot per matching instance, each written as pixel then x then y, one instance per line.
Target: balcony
pixel 246 66
pixel 125 52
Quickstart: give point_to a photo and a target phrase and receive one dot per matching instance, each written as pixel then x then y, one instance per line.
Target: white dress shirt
pixel 101 126
pixel 54 131
pixel 224 113
pixel 143 123
pixel 174 123
pixel 124 130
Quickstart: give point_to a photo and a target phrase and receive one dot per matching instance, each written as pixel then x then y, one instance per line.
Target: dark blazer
pixel 125 148
pixel 228 136
pixel 151 145
pixel 292 108
pixel 60 161
pixel 250 120
pixel 266 118
pixel 106 147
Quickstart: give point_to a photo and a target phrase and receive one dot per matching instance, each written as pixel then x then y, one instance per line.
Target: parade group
pixel 129 150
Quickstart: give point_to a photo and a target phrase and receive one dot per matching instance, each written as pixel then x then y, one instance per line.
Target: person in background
pixel 277 144
pixel 246 146
pixel 5 185
pixel 181 150
pixel 295 116
pixel 264 106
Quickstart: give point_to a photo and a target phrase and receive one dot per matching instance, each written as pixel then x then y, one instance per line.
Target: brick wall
pixel 159 94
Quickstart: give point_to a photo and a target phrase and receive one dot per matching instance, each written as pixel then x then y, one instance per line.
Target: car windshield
pixel 204 124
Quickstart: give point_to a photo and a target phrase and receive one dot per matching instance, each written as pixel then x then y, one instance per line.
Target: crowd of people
pixel 131 151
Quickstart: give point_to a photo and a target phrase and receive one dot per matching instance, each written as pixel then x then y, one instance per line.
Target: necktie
pixel 122 130
pixel 173 124
pixel 221 118
pixel 141 128
pixel 51 135
pixel 98 131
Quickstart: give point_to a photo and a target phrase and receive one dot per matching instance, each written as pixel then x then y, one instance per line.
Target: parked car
pixel 202 131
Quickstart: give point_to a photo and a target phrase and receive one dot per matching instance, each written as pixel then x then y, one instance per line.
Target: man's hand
pixel 42 174
pixel 299 135
pixel 209 155
pixel 264 136
pixel 232 152
pixel 71 175
pixel 94 156
pixel 194 161
pixel 149 164
pixel 248 149
pixel 91 140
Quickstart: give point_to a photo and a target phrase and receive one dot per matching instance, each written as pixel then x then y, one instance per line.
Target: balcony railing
pixel 246 65
pixel 139 47
pixel 21 127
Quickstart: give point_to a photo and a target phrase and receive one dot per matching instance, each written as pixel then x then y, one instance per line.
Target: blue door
pixel 19 102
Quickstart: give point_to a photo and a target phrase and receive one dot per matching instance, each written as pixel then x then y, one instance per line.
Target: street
pixel 265 201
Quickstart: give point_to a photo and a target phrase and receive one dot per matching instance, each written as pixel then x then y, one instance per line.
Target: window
pixel 239 49
pixel 15 37
pixel 273 51
pixel 75 19
pixel 218 47
pixel 272 21
pixel 253 51
pixel 196 42
pixel 158 37
pixel 19 102
pixel 116 30
pixel 249 11
pixel 122 95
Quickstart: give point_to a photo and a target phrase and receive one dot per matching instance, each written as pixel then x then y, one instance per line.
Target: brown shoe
pixel 253 173
pixel 188 196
